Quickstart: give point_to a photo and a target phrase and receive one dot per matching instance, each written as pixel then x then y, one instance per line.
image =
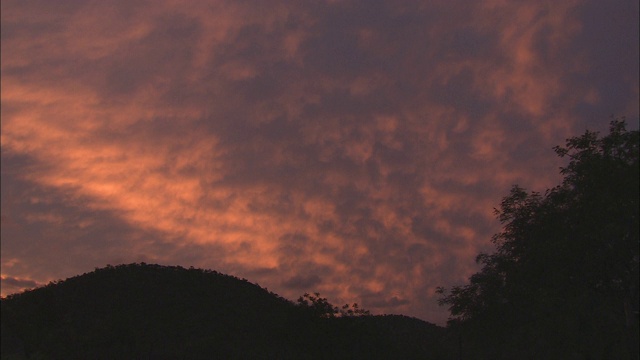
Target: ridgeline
pixel 143 311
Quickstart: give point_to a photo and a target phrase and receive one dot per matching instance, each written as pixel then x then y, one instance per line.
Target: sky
pixel 352 148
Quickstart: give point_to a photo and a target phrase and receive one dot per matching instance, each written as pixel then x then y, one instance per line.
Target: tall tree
pixel 563 281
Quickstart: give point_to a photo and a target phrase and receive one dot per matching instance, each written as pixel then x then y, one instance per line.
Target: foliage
pixel 320 307
pixel 563 281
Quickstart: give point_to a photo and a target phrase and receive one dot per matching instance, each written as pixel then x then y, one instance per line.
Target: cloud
pixel 354 147
pixel 12 285
pixel 302 282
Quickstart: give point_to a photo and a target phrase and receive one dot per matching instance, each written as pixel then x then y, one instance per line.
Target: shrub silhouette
pixel 320 307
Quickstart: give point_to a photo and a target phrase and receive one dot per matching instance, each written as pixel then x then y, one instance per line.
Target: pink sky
pixel 355 148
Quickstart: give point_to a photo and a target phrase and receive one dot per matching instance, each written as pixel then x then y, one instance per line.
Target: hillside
pixel 142 311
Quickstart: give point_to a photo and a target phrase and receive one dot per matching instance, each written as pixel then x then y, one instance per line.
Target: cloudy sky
pixel 355 148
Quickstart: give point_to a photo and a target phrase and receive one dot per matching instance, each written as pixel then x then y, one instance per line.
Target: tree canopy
pixel 321 307
pixel 563 280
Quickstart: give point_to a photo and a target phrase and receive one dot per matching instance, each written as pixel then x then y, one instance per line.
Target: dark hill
pixel 142 311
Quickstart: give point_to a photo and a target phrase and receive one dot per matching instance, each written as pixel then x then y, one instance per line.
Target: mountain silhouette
pixel 144 311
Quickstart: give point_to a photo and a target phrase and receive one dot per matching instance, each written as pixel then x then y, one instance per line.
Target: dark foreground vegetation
pixel 563 281
pixel 141 311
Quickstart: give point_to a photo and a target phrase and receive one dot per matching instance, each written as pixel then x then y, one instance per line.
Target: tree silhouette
pixel 563 281
pixel 317 306
pixel 322 308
